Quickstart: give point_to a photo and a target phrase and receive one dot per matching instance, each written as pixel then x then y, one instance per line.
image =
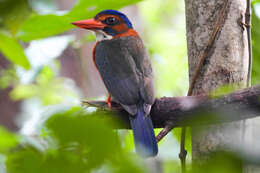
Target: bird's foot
pixel 108 101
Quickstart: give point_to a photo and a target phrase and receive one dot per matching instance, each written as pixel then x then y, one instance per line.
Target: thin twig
pixel 183 151
pixel 208 46
pixel 248 27
pixel 247 24
pixel 164 132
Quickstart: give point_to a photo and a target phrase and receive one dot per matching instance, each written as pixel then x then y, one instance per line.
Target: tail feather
pixel 144 138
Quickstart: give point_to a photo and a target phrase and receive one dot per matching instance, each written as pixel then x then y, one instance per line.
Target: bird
pixel 125 68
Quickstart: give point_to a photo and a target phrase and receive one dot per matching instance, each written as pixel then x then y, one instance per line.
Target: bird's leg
pixel 108 101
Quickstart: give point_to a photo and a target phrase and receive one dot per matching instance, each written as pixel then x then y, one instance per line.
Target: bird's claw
pixel 108 101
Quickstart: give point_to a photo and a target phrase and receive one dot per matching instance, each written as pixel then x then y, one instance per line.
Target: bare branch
pixel 196 110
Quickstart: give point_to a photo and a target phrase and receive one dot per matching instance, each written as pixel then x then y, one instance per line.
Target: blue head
pixel 111 22
pixel 116 13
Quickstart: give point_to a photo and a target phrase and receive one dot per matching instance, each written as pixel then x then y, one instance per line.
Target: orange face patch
pixel 130 32
pixel 104 16
pixel 119 28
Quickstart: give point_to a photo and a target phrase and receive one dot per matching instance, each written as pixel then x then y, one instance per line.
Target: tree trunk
pixel 9 108
pixel 226 62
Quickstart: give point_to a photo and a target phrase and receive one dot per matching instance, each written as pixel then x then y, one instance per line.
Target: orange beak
pixel 90 24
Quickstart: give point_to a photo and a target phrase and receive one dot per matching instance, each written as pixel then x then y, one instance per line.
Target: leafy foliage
pixel 8 77
pixel 18 21
pixel 49 88
pixel 13 13
pixel 40 26
pixel 13 50
pixel 255 1
pixel 255 48
pixel 7 140
pixel 77 142
pixel 73 140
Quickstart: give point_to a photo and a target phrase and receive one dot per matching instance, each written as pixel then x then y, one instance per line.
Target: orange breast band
pixel 130 32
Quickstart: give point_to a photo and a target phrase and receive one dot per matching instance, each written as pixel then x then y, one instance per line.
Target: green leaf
pixel 13 13
pixel 41 26
pixel 86 9
pixel 92 134
pixel 13 50
pixel 8 77
pixel 24 91
pixel 225 89
pixel 49 88
pixel 7 140
pixel 83 128
pixel 255 48
pixel 255 1
pixel 171 166
pixel 77 142
pixel 30 160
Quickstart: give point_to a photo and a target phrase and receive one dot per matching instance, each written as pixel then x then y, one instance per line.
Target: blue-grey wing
pixel 118 71
pixel 143 64
pixel 125 68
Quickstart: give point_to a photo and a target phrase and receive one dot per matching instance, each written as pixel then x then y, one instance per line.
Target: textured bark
pixel 226 63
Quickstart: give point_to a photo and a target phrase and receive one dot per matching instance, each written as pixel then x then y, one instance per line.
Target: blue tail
pixel 144 138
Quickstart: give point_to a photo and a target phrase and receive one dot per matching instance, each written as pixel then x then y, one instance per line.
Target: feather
pixel 144 138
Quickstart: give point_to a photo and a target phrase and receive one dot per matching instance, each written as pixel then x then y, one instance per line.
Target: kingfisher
pixel 125 68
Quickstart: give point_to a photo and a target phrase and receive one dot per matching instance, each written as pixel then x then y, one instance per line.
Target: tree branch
pixel 195 110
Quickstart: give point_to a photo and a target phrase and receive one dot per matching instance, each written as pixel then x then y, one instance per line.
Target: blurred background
pixel 46 70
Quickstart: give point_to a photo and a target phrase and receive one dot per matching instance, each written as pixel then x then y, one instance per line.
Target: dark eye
pixel 111 21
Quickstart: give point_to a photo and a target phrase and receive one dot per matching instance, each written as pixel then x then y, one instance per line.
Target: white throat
pixel 100 35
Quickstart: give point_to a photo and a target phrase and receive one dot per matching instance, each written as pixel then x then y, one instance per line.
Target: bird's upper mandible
pixel 108 24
